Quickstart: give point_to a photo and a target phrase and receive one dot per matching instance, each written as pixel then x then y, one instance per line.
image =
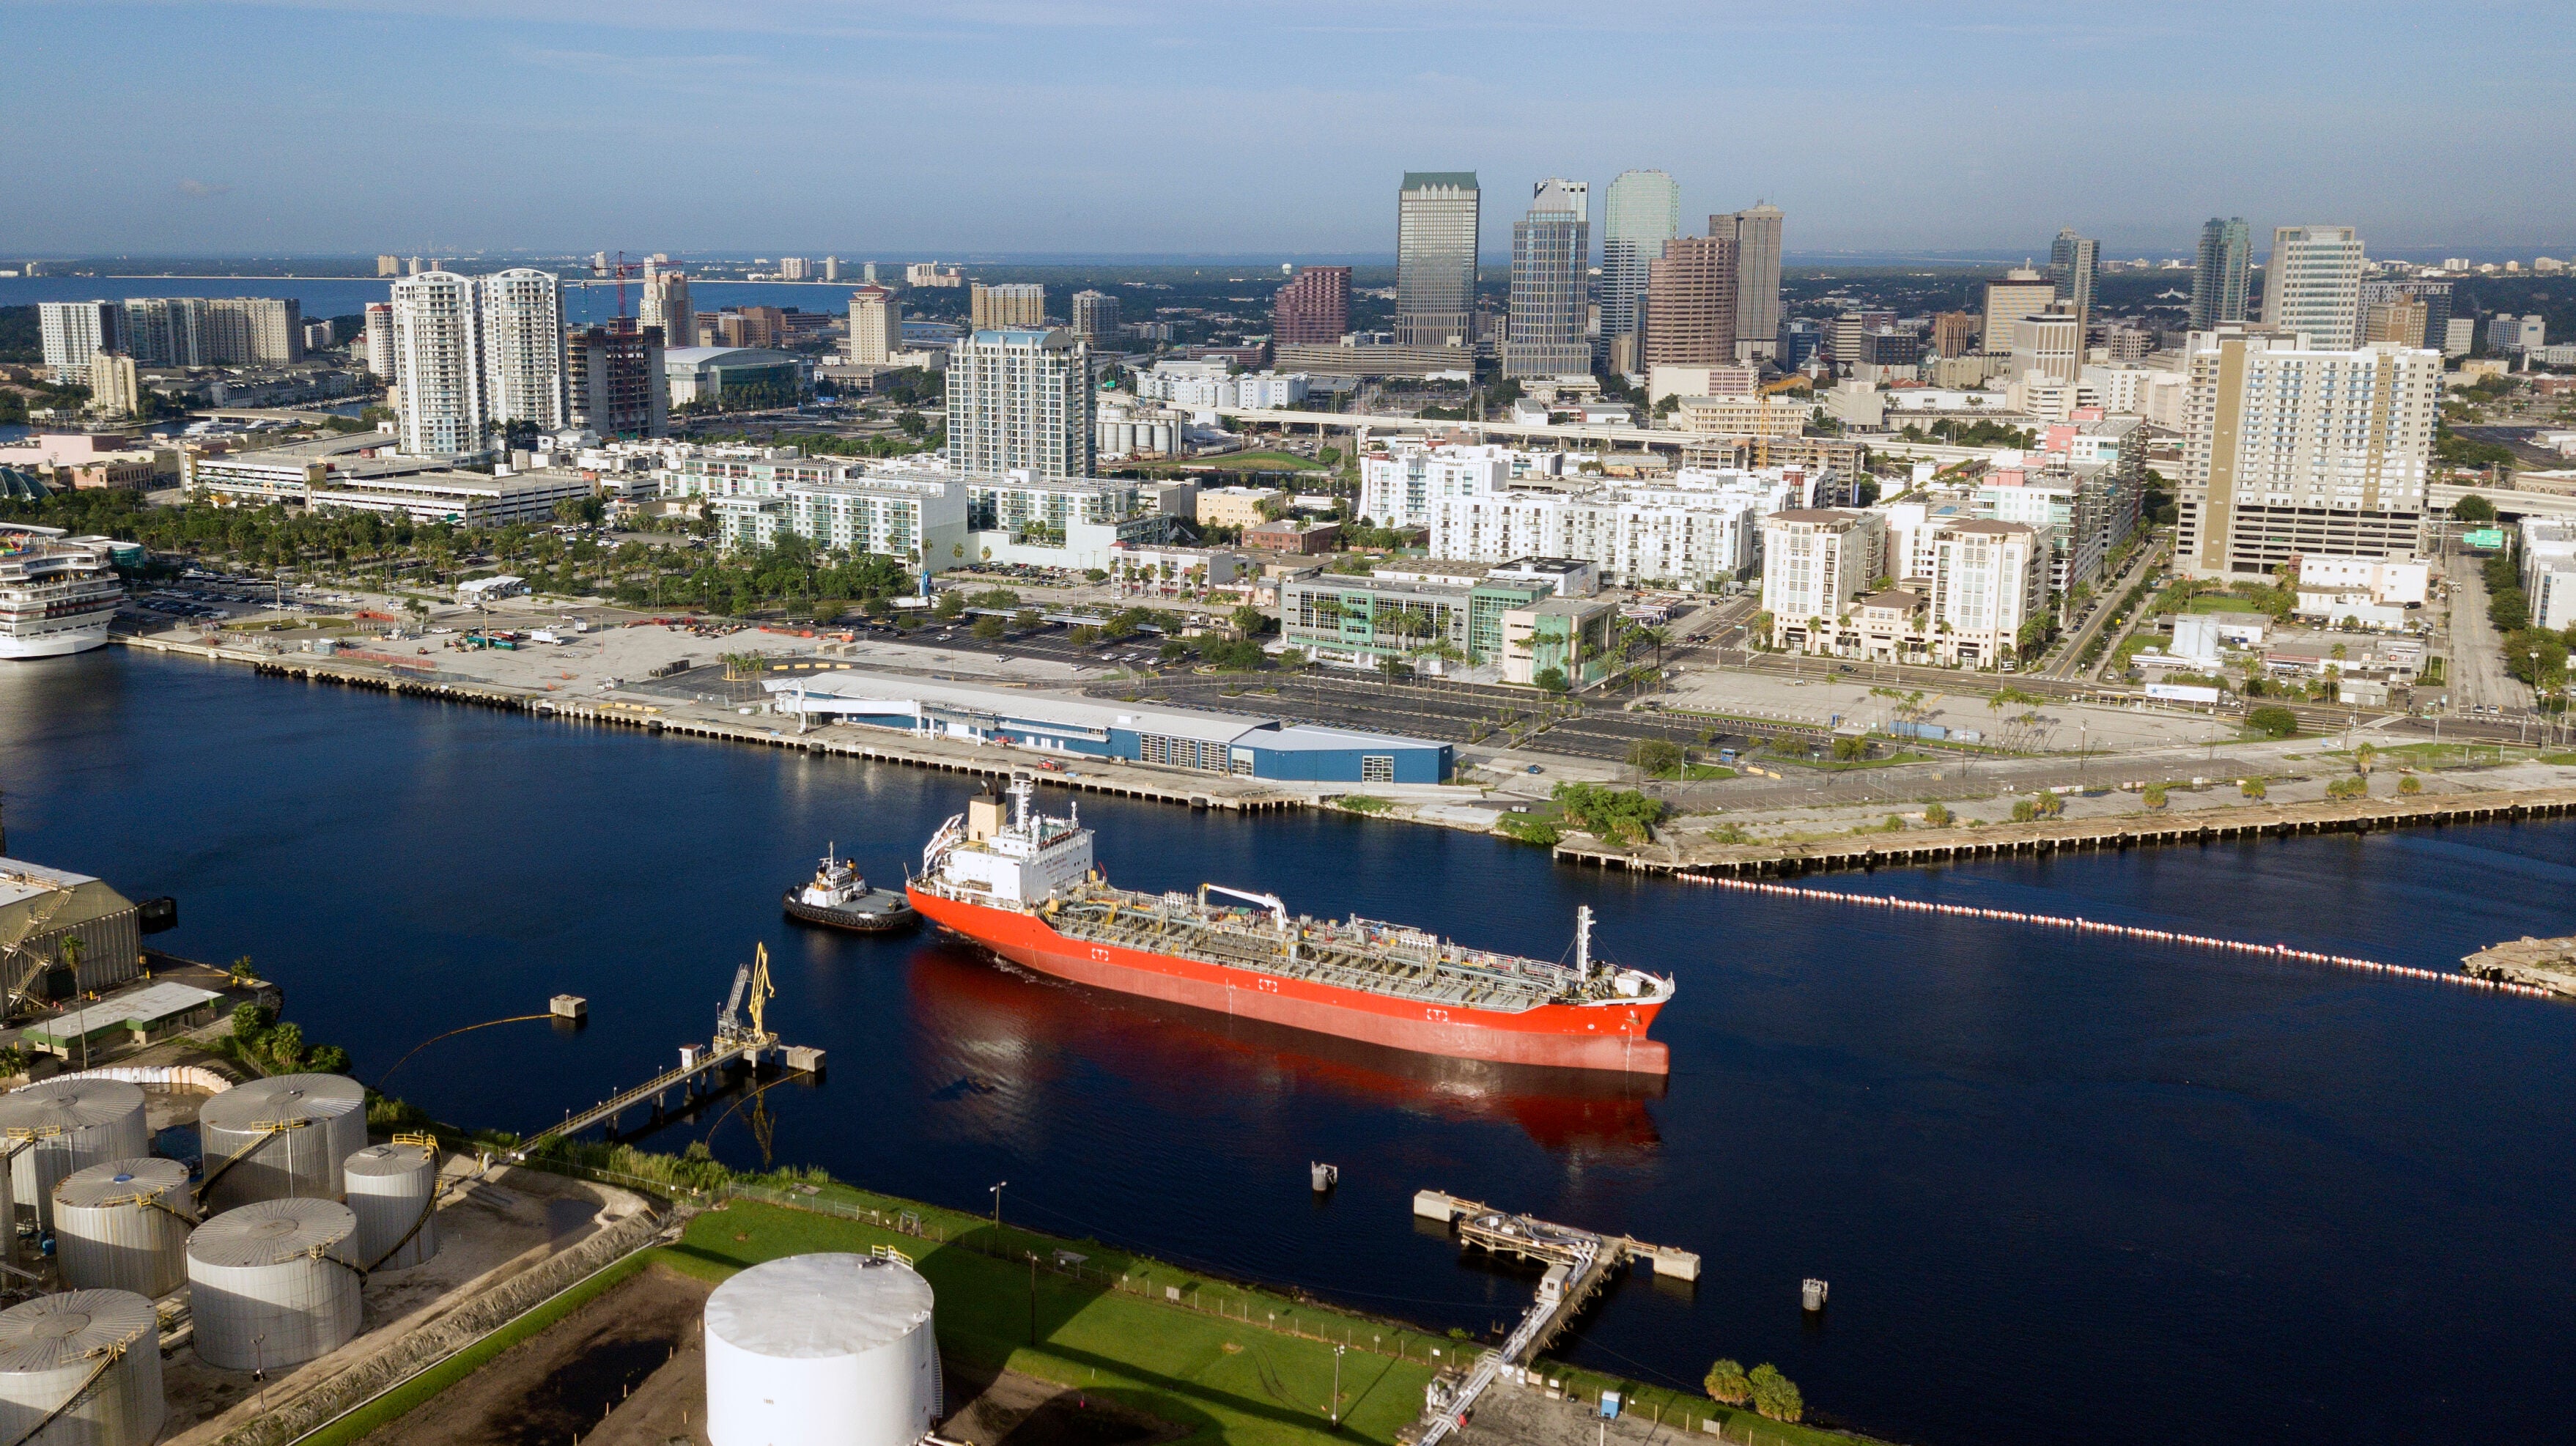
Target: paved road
pixel 2478 676
pixel 2065 665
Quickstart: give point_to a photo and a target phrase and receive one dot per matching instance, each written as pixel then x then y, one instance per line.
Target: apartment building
pixel 1011 306
pixel 1815 562
pixel 2290 450
pixel 1021 400
pixel 2312 285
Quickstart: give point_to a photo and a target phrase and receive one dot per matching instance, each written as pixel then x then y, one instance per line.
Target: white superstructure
pixel 55 597
pixel 822 1350
pixel 1025 860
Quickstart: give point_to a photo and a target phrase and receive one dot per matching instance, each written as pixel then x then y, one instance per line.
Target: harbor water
pixel 2066 1185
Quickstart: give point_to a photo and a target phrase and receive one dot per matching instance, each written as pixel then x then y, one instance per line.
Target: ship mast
pixel 1583 938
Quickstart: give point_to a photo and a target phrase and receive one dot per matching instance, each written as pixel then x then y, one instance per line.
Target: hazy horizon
pixel 1148 129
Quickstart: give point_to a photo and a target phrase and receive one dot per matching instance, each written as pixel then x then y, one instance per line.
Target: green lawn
pixel 1237 1380
pixel 2436 755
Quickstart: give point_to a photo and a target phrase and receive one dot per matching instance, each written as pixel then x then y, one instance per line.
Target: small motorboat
pixel 838 898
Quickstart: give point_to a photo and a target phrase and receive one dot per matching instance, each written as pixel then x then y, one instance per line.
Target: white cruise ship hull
pixel 55 643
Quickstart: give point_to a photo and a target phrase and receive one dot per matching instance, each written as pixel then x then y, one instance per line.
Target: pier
pixel 1579 1265
pixel 2003 840
pixel 1124 780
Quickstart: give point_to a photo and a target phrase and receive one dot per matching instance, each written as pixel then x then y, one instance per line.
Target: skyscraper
pixel 2312 284
pixel 1313 309
pixel 666 305
pixel 876 326
pixel 1551 256
pixel 1436 220
pixel 1020 398
pixel 71 330
pixel 1691 304
pixel 1095 315
pixel 1018 306
pixel 379 345
pixel 1757 277
pixel 2074 269
pixel 2219 270
pixel 523 348
pixel 438 363
pixel 1641 211
pixel 2022 292
pixel 2290 450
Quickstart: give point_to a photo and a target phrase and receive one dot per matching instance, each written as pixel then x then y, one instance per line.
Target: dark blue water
pixel 2063 1191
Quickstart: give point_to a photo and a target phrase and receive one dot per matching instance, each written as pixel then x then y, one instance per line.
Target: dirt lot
pixel 627 1350
pixel 628 1369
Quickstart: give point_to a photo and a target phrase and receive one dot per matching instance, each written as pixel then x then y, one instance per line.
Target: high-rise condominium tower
pixel 1020 399
pixel 1313 309
pixel 2022 292
pixel 380 340
pixel 1690 303
pixel 1018 305
pixel 2312 284
pixel 1757 277
pixel 438 363
pixel 72 330
pixel 2289 450
pixel 2074 269
pixel 523 348
pixel 1641 212
pixel 1095 315
pixel 876 326
pixel 614 381
pixel 1436 217
pixel 2218 272
pixel 1551 255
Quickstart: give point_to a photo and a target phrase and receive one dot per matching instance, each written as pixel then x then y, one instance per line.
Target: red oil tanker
pixel 1026 887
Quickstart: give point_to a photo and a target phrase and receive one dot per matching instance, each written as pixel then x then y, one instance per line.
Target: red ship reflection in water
pixel 1012 1029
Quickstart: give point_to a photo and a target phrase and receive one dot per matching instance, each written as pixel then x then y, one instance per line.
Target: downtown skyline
pixel 1061 131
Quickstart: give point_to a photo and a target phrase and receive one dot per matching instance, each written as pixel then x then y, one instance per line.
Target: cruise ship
pixel 1027 888
pixel 56 597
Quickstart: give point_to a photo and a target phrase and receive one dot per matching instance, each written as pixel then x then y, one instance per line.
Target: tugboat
pixel 838 898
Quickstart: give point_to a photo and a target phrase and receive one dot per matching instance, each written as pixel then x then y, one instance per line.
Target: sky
pixel 1015 127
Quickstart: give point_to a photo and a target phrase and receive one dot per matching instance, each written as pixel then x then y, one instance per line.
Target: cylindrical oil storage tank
pixel 103 1346
pixel 290 1132
pixel 823 1350
pixel 391 1189
pixel 62 1125
pixel 273 1283
pixel 124 1226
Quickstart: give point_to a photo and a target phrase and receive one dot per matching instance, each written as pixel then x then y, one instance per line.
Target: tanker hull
pixel 1607 1036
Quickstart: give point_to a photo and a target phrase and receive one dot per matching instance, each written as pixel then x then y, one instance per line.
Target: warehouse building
pixel 1243 745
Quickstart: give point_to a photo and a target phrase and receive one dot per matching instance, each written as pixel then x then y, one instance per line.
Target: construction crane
pixel 621 268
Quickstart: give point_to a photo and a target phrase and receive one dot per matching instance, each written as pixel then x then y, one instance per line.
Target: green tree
pixel 1250 620
pixel 950 604
pixel 2254 788
pixel 1655 757
pixel 2410 785
pixel 988 627
pixel 2155 795
pixel 1026 619
pixel 2473 508
pixel 1937 815
pixel 1614 815
pixel 2273 721
pixel 1773 1394
pixel 1726 1382
pixel 1550 680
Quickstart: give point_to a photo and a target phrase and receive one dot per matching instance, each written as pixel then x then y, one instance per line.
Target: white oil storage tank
pixel 124 1225
pixel 82 1368
pixel 62 1125
pixel 273 1283
pixel 822 1350
pixel 280 1138
pixel 393 1190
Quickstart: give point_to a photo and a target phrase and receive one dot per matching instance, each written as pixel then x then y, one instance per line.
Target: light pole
pixel 1337 1383
pixel 997 1209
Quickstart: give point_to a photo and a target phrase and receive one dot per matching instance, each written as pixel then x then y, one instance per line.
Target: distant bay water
pixel 2064 1189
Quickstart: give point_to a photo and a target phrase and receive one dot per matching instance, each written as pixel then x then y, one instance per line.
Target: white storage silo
pixel 273 1283
pixel 124 1225
pixel 823 1350
pixel 391 1189
pixel 62 1125
pixel 101 1346
pixel 281 1138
